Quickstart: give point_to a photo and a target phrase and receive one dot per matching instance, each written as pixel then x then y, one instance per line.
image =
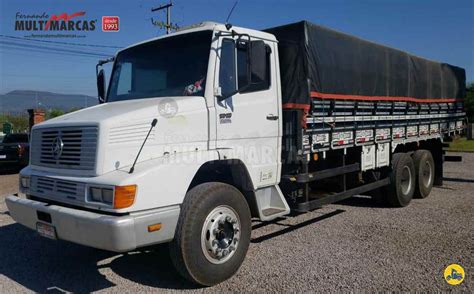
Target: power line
pixel 58 42
pixel 54 50
pixel 54 47
pixel 58 55
pixel 46 76
pixel 42 52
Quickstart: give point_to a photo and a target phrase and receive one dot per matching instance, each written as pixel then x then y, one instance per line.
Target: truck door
pixel 248 123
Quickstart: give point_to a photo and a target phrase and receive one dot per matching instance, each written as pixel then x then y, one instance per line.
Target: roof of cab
pixel 209 25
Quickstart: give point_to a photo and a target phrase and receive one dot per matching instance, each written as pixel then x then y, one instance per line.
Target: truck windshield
pixel 174 66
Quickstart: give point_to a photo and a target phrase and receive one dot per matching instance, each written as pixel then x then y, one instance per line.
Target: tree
pixel 469 102
pixel 19 122
pixel 55 113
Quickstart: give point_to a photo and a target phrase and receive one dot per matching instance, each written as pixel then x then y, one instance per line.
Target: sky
pixel 434 29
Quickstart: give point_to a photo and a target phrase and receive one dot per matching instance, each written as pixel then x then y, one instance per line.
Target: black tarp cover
pixel 317 62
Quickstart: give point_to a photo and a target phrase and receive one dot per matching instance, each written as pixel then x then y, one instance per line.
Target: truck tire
pixel 424 169
pixel 402 180
pixel 212 235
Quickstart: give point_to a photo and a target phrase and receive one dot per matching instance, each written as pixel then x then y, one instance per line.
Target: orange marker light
pixel 315 156
pixel 124 196
pixel 153 228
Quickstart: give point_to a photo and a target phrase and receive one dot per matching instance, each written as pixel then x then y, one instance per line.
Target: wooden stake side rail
pixel 336 132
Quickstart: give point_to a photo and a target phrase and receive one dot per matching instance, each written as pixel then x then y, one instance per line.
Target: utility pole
pixel 168 14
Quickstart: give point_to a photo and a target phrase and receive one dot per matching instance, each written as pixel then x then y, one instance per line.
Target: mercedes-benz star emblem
pixel 57 147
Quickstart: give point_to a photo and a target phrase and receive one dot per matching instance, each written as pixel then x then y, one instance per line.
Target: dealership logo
pixel 110 23
pixel 167 107
pixel 63 22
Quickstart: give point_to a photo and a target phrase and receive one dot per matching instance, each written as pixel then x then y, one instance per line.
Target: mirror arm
pixel 97 70
pixel 104 61
pixel 224 97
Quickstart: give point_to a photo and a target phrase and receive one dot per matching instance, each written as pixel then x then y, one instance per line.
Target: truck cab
pixel 215 95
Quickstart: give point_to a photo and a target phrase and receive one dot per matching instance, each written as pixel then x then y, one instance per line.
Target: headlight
pixel 103 195
pixel 118 197
pixel 24 182
pixel 108 196
pixel 96 194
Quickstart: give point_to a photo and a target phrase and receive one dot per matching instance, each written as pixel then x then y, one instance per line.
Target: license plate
pixel 3 156
pixel 46 230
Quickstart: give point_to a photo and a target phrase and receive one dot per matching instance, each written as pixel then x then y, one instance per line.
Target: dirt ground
pixel 354 245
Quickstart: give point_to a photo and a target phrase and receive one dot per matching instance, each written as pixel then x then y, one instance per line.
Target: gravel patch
pixel 354 245
pixel 8 182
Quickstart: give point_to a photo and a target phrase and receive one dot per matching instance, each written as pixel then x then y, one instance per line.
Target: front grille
pixel 57 189
pixel 79 147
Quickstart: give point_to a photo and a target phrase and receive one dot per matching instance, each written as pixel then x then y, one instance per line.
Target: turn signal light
pixel 21 150
pixel 124 196
pixel 154 228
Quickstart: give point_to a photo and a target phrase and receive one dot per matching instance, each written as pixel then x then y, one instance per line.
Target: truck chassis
pixel 360 136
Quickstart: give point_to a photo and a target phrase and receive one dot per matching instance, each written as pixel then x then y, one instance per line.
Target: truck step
pixel 271 203
pixel 271 211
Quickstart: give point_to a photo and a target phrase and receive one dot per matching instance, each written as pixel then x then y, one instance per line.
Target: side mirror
pixel 101 86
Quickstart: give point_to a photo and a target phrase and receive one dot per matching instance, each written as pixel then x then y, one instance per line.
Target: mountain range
pixel 19 101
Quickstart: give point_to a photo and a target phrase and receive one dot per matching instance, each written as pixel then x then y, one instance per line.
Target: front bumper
pixel 19 161
pixel 113 233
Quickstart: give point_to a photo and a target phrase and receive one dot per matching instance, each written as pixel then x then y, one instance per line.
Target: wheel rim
pixel 426 173
pixel 405 180
pixel 220 234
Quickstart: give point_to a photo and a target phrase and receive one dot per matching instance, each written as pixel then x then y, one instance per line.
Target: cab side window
pixel 234 66
pixel 259 83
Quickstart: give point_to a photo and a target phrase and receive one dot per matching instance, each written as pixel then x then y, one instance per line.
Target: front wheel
pixel 212 235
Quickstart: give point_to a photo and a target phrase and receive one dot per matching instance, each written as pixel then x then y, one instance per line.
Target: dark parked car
pixel 15 150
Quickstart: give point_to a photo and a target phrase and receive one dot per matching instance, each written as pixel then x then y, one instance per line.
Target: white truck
pixel 204 129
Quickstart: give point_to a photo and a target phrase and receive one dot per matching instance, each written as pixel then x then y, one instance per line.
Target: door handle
pixel 272 117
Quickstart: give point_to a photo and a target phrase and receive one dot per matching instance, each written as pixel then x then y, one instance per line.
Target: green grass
pixel 461 145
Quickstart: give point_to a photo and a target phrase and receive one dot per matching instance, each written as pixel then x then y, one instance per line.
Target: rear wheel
pixel 212 235
pixel 402 180
pixel 424 168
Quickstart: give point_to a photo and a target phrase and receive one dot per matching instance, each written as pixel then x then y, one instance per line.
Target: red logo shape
pixel 110 23
pixel 63 16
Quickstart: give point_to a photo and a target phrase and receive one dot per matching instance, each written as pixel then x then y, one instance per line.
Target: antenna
pixel 153 124
pixel 227 25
